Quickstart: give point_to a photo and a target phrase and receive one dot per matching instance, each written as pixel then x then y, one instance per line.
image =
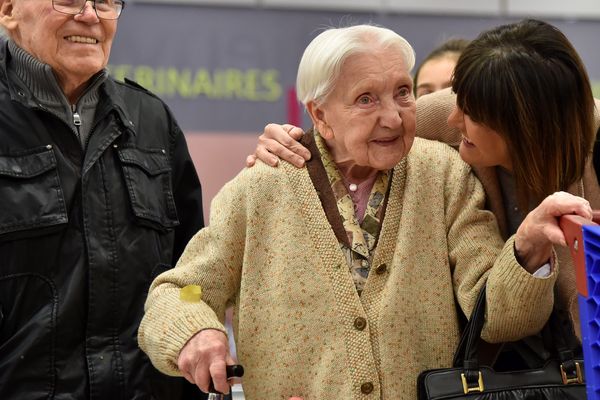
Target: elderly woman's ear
pixel 317 115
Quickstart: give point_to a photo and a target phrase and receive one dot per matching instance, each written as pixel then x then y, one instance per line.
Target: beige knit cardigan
pixel 271 254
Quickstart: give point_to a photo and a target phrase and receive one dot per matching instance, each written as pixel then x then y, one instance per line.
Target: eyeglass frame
pixel 94 7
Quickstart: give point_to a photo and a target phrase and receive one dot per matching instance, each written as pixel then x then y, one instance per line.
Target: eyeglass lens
pixel 106 9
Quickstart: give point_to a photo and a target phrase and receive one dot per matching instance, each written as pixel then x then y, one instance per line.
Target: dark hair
pixel 527 82
pixel 451 47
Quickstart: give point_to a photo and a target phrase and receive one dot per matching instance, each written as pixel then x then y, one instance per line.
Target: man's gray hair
pixel 324 56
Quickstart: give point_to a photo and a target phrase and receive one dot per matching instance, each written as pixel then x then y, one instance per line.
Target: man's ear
pixel 318 117
pixel 7 20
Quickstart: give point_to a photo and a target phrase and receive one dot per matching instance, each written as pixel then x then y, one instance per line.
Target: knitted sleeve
pixel 212 260
pixel 518 304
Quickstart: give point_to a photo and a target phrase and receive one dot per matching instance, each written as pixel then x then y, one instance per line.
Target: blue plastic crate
pixel 583 239
pixel 589 310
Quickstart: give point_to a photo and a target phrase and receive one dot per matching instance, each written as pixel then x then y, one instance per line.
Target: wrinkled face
pixel 434 75
pixel 369 118
pixel 481 146
pixel 75 46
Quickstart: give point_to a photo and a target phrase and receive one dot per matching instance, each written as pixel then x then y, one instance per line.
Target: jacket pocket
pixel 27 336
pixel 147 173
pixel 30 192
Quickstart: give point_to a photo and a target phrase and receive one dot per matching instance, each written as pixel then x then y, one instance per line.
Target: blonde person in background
pixel 342 271
pixel 534 136
pixel 435 72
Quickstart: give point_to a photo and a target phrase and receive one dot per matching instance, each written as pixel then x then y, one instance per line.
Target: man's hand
pixel 280 141
pixel 204 357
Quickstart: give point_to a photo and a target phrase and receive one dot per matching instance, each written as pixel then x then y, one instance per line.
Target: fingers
pixel 295 134
pixel 293 131
pixel 270 151
pixel 301 152
pixel 280 141
pixel 202 377
pixel 288 154
pixel 204 358
pixel 563 203
pixel 219 376
pixel 187 364
pixel 555 235
pixel 262 153
pixel 250 161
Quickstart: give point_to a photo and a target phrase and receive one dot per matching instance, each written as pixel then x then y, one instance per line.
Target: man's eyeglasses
pixel 105 9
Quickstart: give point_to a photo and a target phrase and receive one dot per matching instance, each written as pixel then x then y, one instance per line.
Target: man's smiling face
pixel 75 46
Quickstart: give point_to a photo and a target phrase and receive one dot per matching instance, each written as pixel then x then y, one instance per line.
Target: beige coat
pixel 432 115
pixel 300 327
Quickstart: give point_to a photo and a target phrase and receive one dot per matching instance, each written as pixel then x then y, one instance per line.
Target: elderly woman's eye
pixel 404 91
pixel 364 100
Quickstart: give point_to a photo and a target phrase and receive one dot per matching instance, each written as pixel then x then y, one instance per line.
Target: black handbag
pixel 560 378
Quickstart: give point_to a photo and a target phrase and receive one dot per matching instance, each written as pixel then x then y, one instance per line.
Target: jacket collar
pixel 110 96
pixel 17 90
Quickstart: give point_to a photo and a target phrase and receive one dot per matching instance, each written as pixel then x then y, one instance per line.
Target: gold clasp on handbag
pixel 479 387
pixel 578 378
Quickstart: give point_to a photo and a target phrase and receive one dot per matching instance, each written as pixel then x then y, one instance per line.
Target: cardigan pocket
pixel 147 174
pixel 30 193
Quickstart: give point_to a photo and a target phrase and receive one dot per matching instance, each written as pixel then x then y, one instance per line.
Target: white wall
pixel 573 9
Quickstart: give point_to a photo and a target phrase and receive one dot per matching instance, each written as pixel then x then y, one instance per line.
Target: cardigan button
pixel 360 323
pixel 366 388
pixel 380 270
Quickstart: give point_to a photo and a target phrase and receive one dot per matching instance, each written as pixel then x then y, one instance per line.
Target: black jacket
pixel 82 235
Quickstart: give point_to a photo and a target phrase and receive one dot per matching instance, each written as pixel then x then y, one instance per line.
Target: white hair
pixel 324 56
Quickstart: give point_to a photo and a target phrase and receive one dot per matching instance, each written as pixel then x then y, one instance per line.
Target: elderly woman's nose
pixel 390 114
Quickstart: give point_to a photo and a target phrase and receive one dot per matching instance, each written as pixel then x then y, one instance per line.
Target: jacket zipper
pixel 76 116
pixel 76 121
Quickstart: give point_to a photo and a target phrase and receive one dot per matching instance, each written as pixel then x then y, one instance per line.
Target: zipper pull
pixel 76 117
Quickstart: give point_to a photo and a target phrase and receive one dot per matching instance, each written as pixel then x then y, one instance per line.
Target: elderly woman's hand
pixel 204 357
pixel 280 141
pixel 540 230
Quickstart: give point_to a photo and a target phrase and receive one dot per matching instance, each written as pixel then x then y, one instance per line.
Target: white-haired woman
pixel 343 275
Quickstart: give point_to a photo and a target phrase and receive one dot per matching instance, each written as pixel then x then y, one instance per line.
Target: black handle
pixel 232 371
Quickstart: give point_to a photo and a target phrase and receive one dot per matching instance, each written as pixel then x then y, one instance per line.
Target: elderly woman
pixel 343 275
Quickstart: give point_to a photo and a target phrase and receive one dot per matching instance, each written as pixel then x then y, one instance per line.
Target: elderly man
pixel 99 195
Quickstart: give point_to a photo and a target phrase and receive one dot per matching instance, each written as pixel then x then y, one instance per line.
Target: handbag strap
pixel 559 334
pixel 467 345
